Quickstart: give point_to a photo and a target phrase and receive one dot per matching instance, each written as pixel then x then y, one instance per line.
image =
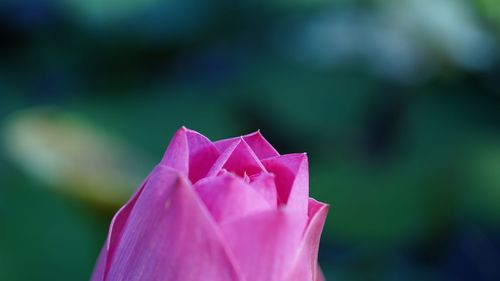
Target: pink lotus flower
pixel 232 210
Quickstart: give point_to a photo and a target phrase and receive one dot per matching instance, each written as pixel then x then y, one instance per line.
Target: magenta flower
pixel 232 210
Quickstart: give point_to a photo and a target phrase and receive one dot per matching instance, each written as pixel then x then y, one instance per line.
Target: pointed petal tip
pixel 254 133
pixel 177 140
pixel 315 206
pixel 266 149
pixel 181 130
pixel 261 147
pixel 301 156
pixel 237 141
pixel 319 202
pixel 297 158
pixel 297 155
pixel 238 156
pixel 186 130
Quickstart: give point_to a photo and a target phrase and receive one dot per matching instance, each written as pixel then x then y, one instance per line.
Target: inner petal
pixel 190 152
pixel 264 184
pixel 292 179
pixel 228 197
pixel 260 146
pixel 238 158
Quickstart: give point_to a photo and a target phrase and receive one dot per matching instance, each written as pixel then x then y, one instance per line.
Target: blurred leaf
pixel 63 151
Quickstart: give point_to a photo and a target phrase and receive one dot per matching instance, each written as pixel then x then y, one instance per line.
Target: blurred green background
pixel 397 103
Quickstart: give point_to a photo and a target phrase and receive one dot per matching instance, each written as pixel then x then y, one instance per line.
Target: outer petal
pixel 262 148
pixel 319 275
pixel 238 158
pixel 305 266
pixel 229 197
pixel 100 267
pixel 177 154
pixel 170 236
pixel 292 180
pixel 264 244
pixel 115 233
pixel 190 152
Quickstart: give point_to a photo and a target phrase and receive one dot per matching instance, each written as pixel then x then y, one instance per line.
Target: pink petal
pixel 264 244
pixel 169 235
pixel 228 197
pixel 264 184
pixel 238 158
pixel 191 153
pixel 292 180
pixel 177 154
pixel 305 266
pixel 261 147
pixel 319 275
pixel 115 233
pixel 100 266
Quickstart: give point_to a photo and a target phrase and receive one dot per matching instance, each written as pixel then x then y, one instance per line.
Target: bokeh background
pixel 397 103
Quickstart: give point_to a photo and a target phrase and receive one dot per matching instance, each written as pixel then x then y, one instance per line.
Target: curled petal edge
pixel 305 266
